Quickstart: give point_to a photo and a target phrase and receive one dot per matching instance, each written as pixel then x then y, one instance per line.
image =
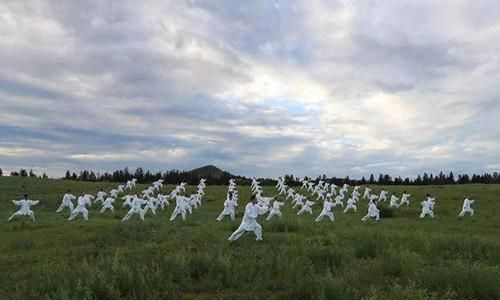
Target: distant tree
pixel 32 174
pixel 44 176
pixel 419 180
pixel 372 179
pixel 139 174
pixel 363 180
pixel 14 173
pixel 68 175
pixel 74 176
pixel 23 173
pixel 387 179
pixel 450 179
pixel 1 172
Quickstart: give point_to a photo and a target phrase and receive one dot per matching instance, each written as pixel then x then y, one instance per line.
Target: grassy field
pixel 402 257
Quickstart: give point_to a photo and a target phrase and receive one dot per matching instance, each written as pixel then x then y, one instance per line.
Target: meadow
pixel 400 257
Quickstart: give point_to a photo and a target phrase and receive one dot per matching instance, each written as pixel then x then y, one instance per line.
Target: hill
pixel 208 171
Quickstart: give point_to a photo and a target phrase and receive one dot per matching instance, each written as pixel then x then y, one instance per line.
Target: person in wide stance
pixel 25 210
pixel 81 207
pixel 275 209
pixel 327 211
pixel 67 201
pixel 427 207
pixel 229 208
pixel 466 208
pixel 373 212
pixel 136 208
pixel 249 221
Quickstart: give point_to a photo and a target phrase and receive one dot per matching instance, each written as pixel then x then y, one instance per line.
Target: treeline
pixel 176 176
pixel 169 177
pixel 25 173
pixel 425 179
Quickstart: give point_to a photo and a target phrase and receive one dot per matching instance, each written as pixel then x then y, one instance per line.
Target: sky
pixel 257 88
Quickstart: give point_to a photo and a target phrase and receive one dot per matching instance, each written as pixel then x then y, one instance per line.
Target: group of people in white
pixel 322 191
pixel 151 199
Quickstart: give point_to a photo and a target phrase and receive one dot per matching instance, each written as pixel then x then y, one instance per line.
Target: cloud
pixel 258 88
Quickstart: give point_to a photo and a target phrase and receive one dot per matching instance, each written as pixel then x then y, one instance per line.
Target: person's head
pixel 253 199
pixel 25 196
pixel 404 192
pixel 68 191
pixel 101 190
pixel 428 195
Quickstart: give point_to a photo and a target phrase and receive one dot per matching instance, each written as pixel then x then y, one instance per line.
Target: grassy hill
pixel 402 257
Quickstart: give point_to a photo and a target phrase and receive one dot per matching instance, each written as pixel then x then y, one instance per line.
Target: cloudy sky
pixel 255 87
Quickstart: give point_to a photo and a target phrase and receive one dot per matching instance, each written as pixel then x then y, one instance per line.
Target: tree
pixel 44 176
pixel 68 175
pixel 23 173
pixel 451 178
pixel 1 172
pixel 32 174
pixel 372 179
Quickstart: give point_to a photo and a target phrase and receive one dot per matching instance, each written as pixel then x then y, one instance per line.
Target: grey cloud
pixel 121 78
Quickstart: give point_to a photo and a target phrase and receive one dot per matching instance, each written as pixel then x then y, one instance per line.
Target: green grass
pixel 401 257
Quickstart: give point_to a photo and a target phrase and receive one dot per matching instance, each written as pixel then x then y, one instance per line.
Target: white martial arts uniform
pixel 150 205
pixel 81 208
pixel 67 201
pixel 327 211
pixel 229 210
pixel 351 204
pixel 382 196
pixel 466 208
pixel 136 208
pixel 427 208
pixel 338 201
pixel 25 208
pixel 100 197
pixel 275 210
pixel 249 223
pixel 366 195
pixel 405 199
pixel 298 201
pixel 373 212
pixel 181 207
pixel 128 200
pixel 394 202
pixel 306 208
pixel 108 204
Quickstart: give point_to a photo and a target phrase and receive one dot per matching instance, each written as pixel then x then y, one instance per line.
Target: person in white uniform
pixel 67 202
pixel 108 204
pixel 81 207
pixel 229 208
pixel 276 209
pixel 25 208
pixel 327 211
pixel 136 208
pixel 427 207
pixel 466 207
pixel 306 208
pixel 373 212
pixel 249 221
